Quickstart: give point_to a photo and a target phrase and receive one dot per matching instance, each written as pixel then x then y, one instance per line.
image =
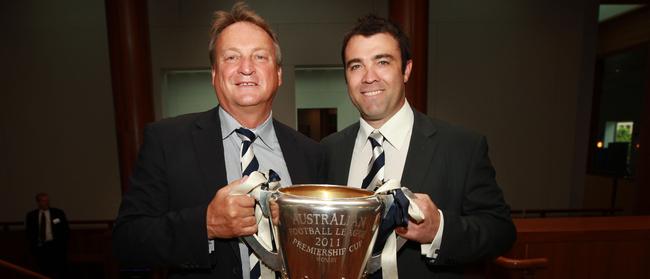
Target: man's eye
pixel 230 58
pixel 383 62
pixel 355 67
pixel 261 57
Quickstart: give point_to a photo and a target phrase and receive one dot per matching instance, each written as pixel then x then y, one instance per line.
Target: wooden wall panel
pixel 586 247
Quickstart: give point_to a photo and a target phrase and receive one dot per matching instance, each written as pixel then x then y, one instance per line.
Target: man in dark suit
pixel 178 212
pixel 47 233
pixel 466 217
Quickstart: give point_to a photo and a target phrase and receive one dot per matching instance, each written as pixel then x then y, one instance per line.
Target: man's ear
pixel 279 75
pixel 407 70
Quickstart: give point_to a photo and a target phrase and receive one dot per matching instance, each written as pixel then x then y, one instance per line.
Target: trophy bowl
pixel 324 231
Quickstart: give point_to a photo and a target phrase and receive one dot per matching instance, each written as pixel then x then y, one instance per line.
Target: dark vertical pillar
pixel 128 38
pixel 643 164
pixel 413 17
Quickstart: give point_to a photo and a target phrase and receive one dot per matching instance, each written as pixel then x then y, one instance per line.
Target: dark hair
pixel 240 13
pixel 370 25
pixel 39 195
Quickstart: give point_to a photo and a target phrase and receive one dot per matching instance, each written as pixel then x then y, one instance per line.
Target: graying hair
pixel 240 12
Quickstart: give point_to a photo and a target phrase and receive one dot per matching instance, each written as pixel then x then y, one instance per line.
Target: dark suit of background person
pixel 178 197
pixel 50 254
pixel 446 166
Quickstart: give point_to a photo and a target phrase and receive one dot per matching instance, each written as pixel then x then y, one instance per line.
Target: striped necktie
pixel 376 166
pixel 249 164
pixel 248 161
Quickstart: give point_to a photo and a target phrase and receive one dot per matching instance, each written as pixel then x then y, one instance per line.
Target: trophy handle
pixel 271 259
pixel 256 186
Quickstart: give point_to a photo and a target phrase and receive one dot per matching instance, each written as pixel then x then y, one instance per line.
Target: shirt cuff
pixel 430 250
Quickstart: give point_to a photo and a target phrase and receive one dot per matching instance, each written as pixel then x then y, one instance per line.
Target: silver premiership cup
pixel 325 231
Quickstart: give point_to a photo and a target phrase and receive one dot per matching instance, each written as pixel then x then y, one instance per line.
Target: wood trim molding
pixel 22 270
pixel 511 263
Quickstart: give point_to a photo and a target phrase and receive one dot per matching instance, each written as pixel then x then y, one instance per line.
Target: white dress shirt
pixel 48 224
pixel 268 152
pixel 266 148
pixel 397 135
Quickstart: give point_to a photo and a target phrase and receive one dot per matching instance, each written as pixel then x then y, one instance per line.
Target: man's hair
pixel 370 25
pixel 39 195
pixel 240 12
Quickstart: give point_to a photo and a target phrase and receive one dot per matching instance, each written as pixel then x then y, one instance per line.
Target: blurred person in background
pixel 47 234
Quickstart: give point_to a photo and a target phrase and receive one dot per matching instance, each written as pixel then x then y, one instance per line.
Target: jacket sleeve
pixel 483 229
pixel 64 226
pixel 147 230
pixel 30 231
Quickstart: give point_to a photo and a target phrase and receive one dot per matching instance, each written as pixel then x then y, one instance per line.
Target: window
pixel 187 91
pixel 618 98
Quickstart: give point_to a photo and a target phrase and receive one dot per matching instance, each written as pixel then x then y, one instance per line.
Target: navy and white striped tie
pixel 249 164
pixel 248 161
pixel 376 166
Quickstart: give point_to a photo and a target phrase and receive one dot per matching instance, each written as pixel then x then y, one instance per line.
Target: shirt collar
pixel 393 129
pixel 229 124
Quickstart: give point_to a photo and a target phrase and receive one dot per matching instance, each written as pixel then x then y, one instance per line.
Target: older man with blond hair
pixel 178 212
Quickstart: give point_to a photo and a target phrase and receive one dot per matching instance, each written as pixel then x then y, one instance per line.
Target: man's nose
pixel 370 76
pixel 246 67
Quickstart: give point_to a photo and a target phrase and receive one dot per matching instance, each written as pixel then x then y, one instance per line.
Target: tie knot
pixel 245 134
pixel 376 138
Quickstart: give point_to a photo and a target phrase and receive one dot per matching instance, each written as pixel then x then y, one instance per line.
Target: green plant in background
pixel 623 132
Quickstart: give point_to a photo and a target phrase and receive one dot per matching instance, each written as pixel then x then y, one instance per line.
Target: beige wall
pixel 512 70
pixel 57 131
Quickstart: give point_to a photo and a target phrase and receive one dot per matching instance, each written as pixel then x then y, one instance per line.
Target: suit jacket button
pixel 236 270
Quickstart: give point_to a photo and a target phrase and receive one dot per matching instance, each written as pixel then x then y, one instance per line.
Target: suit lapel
pixel 421 151
pixel 209 151
pixel 208 147
pixel 292 156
